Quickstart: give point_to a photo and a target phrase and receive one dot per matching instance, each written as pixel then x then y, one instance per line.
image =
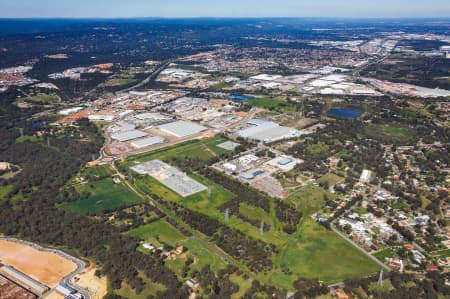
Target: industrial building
pixel 170 177
pixel 128 135
pixel 24 281
pixel 145 142
pixel 10 290
pixel 284 163
pixel 268 131
pixel 182 129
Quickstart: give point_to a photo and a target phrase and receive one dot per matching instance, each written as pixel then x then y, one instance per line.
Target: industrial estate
pixel 279 160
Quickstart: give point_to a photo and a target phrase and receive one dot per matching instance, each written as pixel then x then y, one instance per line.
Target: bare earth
pixel 47 268
pixel 97 287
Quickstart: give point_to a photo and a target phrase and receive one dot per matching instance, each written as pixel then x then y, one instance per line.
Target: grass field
pixel 244 285
pixel 161 233
pixel 390 133
pixel 201 149
pixel 120 82
pixel 308 199
pixel 441 253
pixel 5 190
pixel 316 252
pixel 383 254
pixel 271 103
pixel 104 196
pixel 158 233
pixel 43 99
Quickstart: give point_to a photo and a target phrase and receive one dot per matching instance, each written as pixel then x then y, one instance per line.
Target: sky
pixel 223 8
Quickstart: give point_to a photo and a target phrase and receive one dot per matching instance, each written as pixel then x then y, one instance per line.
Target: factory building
pixel 129 135
pixel 145 142
pixel 268 131
pixel 24 281
pixel 182 129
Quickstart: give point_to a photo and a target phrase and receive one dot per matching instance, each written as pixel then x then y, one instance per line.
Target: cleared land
pixel 393 133
pixel 47 268
pixel 97 287
pixel 270 103
pixel 104 196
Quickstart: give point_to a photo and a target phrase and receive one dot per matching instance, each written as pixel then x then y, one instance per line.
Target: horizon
pixel 176 9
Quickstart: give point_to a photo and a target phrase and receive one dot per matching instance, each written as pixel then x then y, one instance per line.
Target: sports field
pixel 104 196
pixel 47 268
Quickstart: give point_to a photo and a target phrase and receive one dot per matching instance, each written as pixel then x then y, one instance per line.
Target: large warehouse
pixel 171 177
pixel 149 141
pixel 129 135
pixel 182 129
pixel 268 131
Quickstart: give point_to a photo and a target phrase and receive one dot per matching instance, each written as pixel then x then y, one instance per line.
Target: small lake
pixel 344 112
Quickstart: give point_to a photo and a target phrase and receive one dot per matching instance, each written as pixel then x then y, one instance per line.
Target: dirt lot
pixel 47 268
pixel 97 287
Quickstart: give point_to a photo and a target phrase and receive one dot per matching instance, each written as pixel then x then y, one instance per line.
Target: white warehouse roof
pixel 182 128
pixel 141 143
pixel 129 135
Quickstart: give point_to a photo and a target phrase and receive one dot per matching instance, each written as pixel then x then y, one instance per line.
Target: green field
pixel 4 190
pixel 244 285
pixel 393 133
pixel 271 103
pixel 441 253
pixel 316 252
pixel 28 138
pixel 43 98
pixel 104 196
pixel 114 82
pixel 158 233
pixel 162 233
pixel 308 199
pixel 201 149
pixel 383 254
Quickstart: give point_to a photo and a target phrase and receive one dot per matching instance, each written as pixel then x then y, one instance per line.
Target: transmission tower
pixel 227 214
pixel 380 278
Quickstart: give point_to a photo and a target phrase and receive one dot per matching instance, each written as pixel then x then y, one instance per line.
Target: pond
pixel 345 112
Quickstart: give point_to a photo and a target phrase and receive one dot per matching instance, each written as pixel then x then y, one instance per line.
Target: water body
pixel 345 112
pixel 239 98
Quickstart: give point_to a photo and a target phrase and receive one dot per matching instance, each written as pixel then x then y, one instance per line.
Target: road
pixel 66 280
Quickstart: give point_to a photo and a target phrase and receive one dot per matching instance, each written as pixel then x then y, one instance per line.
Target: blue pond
pixel 238 97
pixel 344 112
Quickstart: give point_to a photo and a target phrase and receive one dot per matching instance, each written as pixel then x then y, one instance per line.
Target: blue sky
pixel 225 8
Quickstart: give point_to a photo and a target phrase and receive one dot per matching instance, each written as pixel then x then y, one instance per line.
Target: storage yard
pixel 170 177
pixel 259 171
